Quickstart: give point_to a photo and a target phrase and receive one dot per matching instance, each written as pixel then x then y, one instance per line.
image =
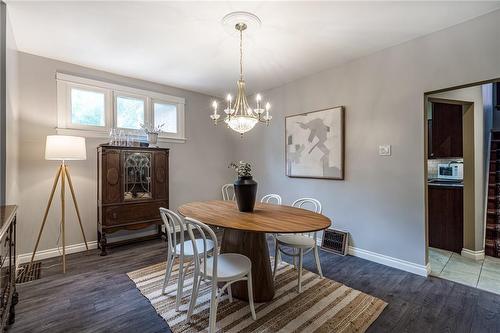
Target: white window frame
pixel 65 82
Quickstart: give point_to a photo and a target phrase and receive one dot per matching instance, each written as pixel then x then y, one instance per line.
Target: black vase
pixel 245 189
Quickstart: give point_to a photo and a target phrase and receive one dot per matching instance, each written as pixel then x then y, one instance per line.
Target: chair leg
pixel 318 263
pixel 168 271
pixel 194 294
pixel 301 255
pixel 180 283
pixel 230 293
pixel 213 309
pixel 250 295
pixel 276 254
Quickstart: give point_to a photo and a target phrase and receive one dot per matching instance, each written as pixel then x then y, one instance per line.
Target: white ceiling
pixel 183 44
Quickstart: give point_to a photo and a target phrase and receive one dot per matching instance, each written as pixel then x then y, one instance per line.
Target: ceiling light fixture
pixel 240 117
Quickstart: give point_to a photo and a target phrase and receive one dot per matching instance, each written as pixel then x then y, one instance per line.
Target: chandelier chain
pixel 241 54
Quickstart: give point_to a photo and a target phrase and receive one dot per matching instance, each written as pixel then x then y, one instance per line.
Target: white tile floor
pixel 483 274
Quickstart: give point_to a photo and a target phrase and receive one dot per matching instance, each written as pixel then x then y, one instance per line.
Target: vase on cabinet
pixel 245 190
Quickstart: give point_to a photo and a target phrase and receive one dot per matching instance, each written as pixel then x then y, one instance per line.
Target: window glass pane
pixel 165 114
pixel 87 107
pixel 129 112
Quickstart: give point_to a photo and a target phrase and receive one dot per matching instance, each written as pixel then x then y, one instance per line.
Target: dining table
pixel 245 233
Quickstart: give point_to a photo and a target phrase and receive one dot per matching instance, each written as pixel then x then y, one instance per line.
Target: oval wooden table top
pixel 265 217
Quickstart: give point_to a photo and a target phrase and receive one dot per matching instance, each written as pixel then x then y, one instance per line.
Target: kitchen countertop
pixel 444 183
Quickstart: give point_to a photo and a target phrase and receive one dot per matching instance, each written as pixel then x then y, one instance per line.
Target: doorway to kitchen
pixel 459 127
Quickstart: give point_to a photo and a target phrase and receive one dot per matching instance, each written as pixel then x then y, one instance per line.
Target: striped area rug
pixel 324 305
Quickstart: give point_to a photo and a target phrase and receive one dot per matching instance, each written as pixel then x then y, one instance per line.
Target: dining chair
pixel 183 250
pixel 228 192
pixel 300 243
pixel 268 198
pixel 225 268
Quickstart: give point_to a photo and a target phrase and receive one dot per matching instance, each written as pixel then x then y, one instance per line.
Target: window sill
pixel 102 134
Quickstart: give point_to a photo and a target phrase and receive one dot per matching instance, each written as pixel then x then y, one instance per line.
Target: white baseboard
pixel 404 265
pixel 474 255
pixel 55 252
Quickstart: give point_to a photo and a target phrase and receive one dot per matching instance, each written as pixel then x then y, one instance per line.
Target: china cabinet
pixel 132 186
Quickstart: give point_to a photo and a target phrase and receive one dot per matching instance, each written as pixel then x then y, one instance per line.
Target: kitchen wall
pixel 381 202
pixel 197 167
pixel 474 236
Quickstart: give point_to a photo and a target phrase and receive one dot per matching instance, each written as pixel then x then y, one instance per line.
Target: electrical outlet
pixel 384 150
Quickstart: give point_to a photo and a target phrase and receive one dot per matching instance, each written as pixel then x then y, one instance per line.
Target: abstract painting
pixel 315 144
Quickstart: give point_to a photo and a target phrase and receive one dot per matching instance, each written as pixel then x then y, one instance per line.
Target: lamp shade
pixel 64 147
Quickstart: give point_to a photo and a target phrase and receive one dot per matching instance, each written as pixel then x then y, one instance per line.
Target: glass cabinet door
pixel 137 176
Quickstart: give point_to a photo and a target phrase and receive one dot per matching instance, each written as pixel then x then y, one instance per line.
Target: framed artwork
pixel 314 144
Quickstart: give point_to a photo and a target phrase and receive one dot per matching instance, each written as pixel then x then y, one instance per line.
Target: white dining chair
pixel 301 244
pixel 228 192
pixel 226 268
pixel 183 250
pixel 269 198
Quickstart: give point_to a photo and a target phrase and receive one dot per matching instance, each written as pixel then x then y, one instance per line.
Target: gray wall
pixel 197 167
pixel 12 117
pixel 382 200
pixel 3 93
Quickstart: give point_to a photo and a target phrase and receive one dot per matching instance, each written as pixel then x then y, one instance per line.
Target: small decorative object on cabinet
pixel 245 188
pixel 8 293
pixel 132 184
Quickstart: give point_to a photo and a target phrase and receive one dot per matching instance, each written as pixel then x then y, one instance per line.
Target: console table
pixel 8 293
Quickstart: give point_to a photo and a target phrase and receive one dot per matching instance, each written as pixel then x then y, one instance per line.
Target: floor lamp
pixel 63 148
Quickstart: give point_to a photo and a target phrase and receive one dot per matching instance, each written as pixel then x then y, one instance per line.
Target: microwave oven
pixel 451 171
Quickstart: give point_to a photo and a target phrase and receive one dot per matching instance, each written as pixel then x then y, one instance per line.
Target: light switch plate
pixel 384 150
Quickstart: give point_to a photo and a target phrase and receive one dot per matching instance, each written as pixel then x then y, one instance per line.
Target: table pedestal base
pixel 254 246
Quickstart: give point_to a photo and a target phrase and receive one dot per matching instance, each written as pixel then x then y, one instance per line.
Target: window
pixel 165 115
pixel 91 108
pixel 87 107
pixel 130 112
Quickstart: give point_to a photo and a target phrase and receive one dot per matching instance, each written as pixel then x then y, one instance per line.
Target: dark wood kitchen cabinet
pixel 445 131
pixel 446 217
pixel 132 184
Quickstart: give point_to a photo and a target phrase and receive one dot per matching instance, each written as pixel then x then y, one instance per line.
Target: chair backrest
pixel 228 192
pixel 310 204
pixel 206 233
pixel 271 197
pixel 173 224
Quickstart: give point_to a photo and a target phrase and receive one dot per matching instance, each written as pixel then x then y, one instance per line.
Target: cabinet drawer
pixel 127 214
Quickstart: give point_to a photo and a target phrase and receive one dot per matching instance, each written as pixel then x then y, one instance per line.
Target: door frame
pixel 424 180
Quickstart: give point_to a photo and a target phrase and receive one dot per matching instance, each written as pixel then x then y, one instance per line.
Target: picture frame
pixel 314 144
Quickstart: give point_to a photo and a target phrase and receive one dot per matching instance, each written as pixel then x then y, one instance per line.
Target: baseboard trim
pixel 474 255
pixel 54 252
pixel 404 265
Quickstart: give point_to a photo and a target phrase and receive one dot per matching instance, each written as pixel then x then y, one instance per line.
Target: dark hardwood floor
pixel 95 295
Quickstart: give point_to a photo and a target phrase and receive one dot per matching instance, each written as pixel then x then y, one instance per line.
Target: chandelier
pixel 240 117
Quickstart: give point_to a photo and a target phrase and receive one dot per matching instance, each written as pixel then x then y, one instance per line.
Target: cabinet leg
pixel 102 244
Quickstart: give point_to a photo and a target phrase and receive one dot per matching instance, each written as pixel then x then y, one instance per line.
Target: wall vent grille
pixel 335 241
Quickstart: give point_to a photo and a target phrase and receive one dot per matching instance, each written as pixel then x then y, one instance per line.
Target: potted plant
pixel 152 133
pixel 245 188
